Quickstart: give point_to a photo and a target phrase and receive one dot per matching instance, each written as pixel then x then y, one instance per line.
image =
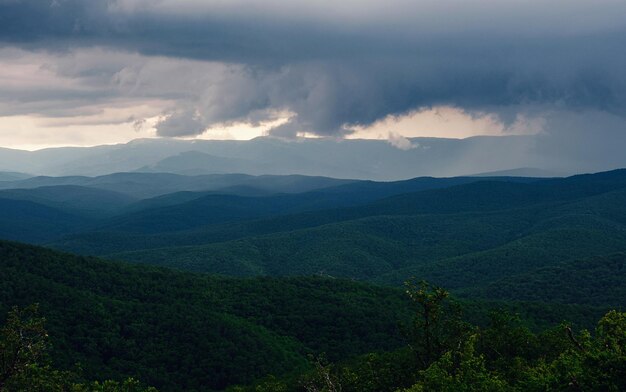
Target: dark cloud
pixel 183 123
pixel 337 66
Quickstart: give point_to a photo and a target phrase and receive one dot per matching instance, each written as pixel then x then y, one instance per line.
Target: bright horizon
pixel 444 122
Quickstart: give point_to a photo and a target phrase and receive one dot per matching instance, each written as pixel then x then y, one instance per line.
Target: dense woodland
pixel 172 330
pixel 442 353
pixel 175 329
pixel 445 353
pixel 296 284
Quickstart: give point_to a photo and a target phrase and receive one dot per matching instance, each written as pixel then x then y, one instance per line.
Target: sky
pixel 88 72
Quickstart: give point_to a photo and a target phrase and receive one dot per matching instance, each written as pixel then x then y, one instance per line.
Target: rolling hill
pixel 457 232
pixel 37 223
pixel 457 237
pixel 73 198
pixel 597 280
pixel 174 330
pixel 301 273
pixel 12 176
pixel 146 185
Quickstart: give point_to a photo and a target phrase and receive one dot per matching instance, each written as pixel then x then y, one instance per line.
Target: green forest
pixel 442 352
pixel 184 331
pixel 320 289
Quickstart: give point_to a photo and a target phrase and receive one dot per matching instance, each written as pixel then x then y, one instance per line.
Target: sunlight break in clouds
pixel 447 122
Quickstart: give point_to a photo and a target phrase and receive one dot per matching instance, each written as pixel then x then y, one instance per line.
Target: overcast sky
pixel 84 72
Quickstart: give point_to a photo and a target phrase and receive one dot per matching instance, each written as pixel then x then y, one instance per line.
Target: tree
pixel 461 370
pixel 23 345
pixel 323 379
pixel 437 326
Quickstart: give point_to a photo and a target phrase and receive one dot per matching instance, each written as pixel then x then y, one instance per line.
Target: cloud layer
pixel 331 67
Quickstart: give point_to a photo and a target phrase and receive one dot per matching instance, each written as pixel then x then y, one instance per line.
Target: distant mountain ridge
pixel 350 158
pixel 72 197
pixel 521 172
pixel 144 185
pixel 13 176
pixel 198 163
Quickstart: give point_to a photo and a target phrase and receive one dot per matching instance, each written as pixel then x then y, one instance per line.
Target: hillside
pixel 12 176
pixel 79 199
pixel 116 205
pixel 457 236
pixel 173 330
pixel 597 280
pixel 28 221
pixel 146 185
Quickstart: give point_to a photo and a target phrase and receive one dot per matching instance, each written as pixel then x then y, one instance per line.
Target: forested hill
pixel 180 331
pixel 461 233
pixel 185 332
pixel 548 249
pixel 461 237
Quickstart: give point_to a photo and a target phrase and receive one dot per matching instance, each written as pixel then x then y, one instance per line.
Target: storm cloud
pixel 329 66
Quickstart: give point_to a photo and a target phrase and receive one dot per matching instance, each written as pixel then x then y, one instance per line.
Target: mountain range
pixel 267 270
pixel 532 155
pixel 457 232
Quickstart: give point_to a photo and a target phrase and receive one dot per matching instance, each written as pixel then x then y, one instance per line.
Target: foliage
pixel 25 365
pixel 503 356
pixel 511 254
pixel 459 371
pixel 173 330
pixel 597 280
pixel 437 325
pixel 22 345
